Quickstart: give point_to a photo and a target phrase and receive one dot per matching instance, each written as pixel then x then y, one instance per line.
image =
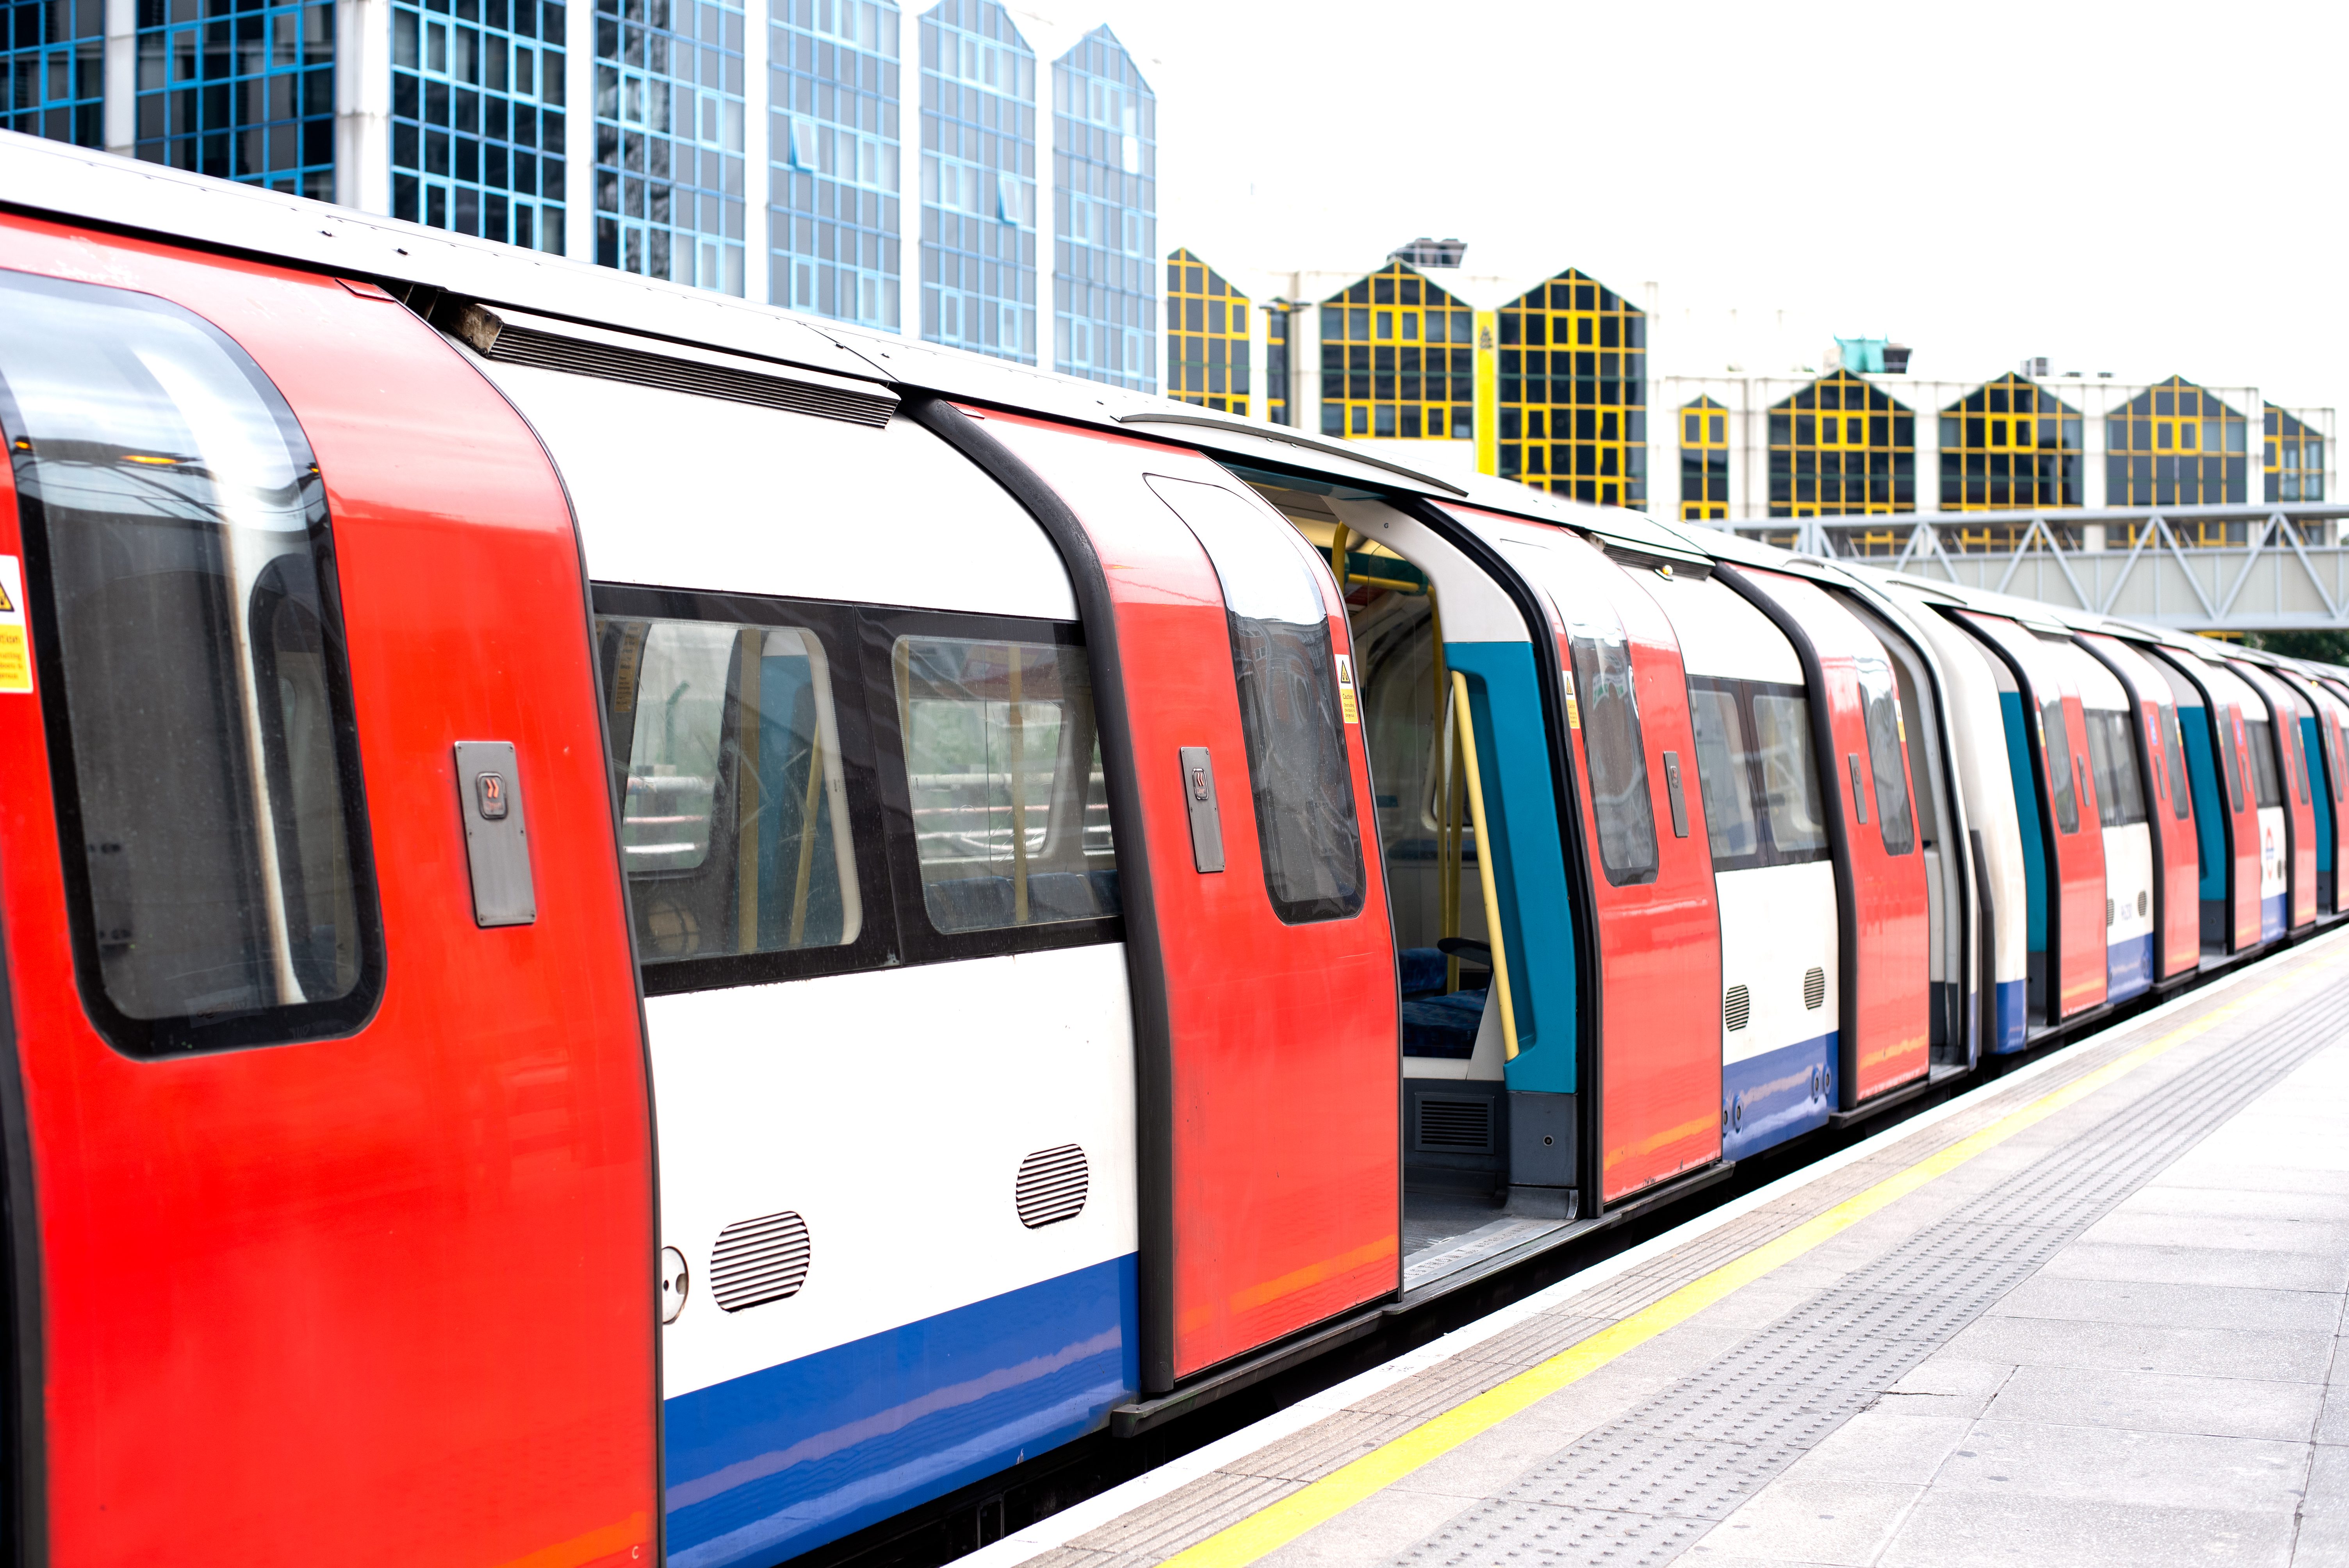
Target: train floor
pixel 2091 1312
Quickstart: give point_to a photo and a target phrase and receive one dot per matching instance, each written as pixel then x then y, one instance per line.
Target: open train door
pixel 2317 767
pixel 1650 875
pixel 2210 702
pixel 2055 734
pixel 2177 919
pixel 2288 760
pixel 322 1030
pixel 1265 1014
pixel 2333 729
pixel 1886 933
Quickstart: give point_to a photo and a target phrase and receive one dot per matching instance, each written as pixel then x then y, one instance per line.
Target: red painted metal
pixel 2292 776
pixel 2178 946
pixel 2076 910
pixel 2333 718
pixel 1286 1174
pixel 2240 821
pixel 1660 940
pixel 1887 998
pixel 382 1299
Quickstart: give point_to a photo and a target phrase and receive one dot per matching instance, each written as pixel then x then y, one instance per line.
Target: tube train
pixel 634 925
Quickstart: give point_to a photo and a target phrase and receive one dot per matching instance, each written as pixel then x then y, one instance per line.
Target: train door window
pixel 1790 778
pixel 2055 742
pixel 1614 742
pixel 1725 767
pixel 189 634
pixel 2259 739
pixel 2182 804
pixel 1003 780
pixel 735 825
pixel 2112 757
pixel 2226 716
pixel 1880 709
pixel 1286 670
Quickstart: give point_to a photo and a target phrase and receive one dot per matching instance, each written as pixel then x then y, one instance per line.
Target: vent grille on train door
pixel 1460 1126
pixel 1053 1186
pixel 1736 1007
pixel 2108 912
pixel 759 1261
pixel 518 338
pixel 1815 989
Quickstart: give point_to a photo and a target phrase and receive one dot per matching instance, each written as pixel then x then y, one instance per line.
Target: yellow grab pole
pixel 1467 732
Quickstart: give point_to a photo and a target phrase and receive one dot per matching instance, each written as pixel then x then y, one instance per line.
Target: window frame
pixel 168 1039
pixel 876 945
pixel 919 940
pixel 1767 850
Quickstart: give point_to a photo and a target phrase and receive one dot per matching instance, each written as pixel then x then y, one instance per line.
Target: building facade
pixel 937 172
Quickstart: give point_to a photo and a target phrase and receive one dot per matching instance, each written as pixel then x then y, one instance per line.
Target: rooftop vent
pixel 2035 368
pixel 1426 252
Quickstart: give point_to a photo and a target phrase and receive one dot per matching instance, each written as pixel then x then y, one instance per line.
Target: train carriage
pixel 639 928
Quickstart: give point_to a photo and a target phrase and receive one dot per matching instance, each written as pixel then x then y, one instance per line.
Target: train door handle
pixel 1199 799
pixel 1858 794
pixel 497 844
pixel 1672 788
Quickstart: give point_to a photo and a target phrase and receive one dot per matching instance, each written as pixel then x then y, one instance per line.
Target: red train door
pixel 1265 1003
pixel 2299 809
pixel 2178 925
pixel 325 1017
pixel 1651 873
pixel 1880 871
pixel 2058 734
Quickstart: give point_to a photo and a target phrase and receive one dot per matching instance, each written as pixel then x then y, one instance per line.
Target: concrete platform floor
pixel 2091 1313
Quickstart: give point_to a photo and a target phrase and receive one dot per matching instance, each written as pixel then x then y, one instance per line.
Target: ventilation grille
pixel 1053 1186
pixel 512 338
pixel 1736 1007
pixel 759 1261
pixel 1815 989
pixel 1461 1125
pixel 2108 912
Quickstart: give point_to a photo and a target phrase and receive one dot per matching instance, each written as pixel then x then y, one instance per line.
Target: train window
pixel 2112 757
pixel 1613 741
pixel 1880 711
pixel 1285 668
pixel 1003 773
pixel 2181 803
pixel 1725 765
pixel 2056 742
pixel 2259 738
pixel 189 635
pixel 1790 778
pixel 734 817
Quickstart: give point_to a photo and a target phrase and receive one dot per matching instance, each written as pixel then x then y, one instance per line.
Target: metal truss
pixel 2276 581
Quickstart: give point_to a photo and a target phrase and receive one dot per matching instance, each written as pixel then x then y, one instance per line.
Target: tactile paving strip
pixel 1644 1488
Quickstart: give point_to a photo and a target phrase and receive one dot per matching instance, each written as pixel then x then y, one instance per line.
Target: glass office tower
pixel 978 180
pixel 833 149
pixel 1105 198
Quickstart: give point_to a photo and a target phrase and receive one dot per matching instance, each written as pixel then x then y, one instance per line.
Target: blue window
pixel 833 150
pixel 52 60
pixel 668 140
pixel 477 117
pixel 1106 188
pixel 978 180
pixel 243 91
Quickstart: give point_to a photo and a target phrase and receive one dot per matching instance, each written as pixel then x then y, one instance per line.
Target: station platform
pixel 2091 1312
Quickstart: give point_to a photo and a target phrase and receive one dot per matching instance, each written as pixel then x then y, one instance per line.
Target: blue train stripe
pixel 2128 966
pixel 780 1460
pixel 2271 918
pixel 2010 1027
pixel 1768 1099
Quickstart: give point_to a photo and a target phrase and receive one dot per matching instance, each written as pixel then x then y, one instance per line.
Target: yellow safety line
pixel 1274 1527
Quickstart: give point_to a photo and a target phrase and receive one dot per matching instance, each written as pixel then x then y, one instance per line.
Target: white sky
pixel 2141 189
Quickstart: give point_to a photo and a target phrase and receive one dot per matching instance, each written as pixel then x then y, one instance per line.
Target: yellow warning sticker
pixel 1573 714
pixel 1346 704
pixel 16 653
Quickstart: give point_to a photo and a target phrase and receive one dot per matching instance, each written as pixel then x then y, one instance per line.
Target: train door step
pixel 1487 1242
